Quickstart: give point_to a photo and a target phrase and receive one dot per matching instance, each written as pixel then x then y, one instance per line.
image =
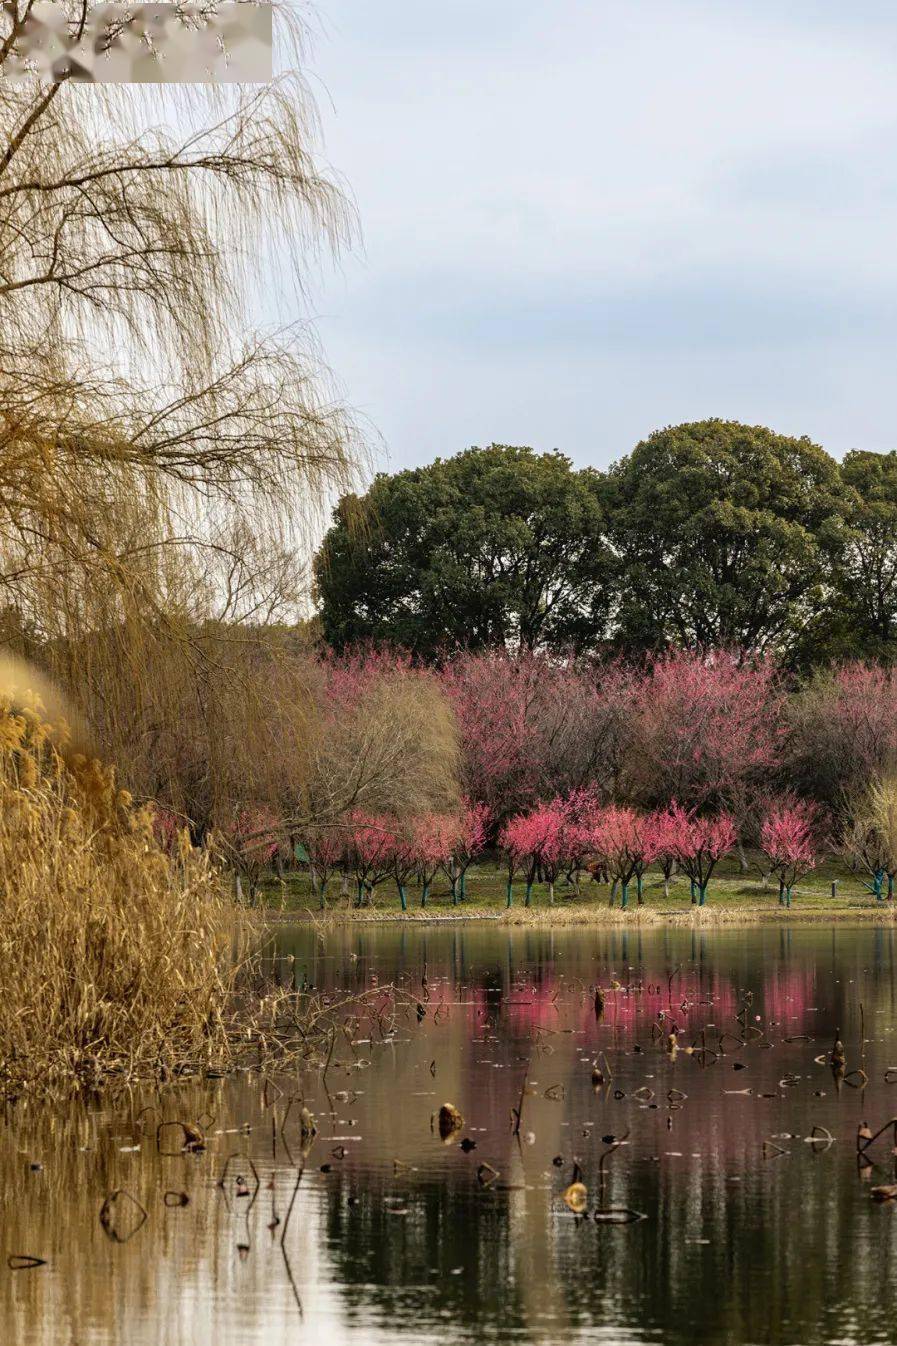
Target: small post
pixel 834 887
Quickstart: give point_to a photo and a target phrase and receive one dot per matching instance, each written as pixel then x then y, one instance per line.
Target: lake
pixel 732 1157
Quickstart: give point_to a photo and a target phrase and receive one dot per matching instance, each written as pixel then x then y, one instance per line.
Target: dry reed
pixel 118 959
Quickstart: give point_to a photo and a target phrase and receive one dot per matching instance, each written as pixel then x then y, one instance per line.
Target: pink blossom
pixel 788 838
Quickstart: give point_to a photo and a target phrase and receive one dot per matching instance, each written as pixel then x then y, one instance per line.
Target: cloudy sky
pixel 584 220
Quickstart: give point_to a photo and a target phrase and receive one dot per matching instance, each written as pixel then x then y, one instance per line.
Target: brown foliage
pixel 119 959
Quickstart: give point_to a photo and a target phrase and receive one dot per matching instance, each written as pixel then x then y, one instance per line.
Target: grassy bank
pixel 733 896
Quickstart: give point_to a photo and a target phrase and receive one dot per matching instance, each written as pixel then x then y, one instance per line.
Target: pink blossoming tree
pixel 698 844
pixel 787 836
pixel 326 850
pixel 371 852
pixel 533 842
pixel 709 727
pixel 624 840
pixel 471 833
pixel 435 837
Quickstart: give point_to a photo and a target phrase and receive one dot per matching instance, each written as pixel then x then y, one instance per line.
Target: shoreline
pixel 708 917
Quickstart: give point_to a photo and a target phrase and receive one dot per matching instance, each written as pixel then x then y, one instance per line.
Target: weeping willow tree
pixel 163 464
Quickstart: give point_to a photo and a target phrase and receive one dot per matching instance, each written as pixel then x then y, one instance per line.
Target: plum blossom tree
pixel 326 851
pixel 495 698
pixel 577 809
pixel 532 842
pixel 532 726
pixel 403 859
pixel 471 833
pixel 625 841
pixel 709 731
pixel 372 841
pixel 788 837
pixel 663 828
pixel 435 838
pixel 698 843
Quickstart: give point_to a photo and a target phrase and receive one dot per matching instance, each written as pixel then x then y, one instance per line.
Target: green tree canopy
pixel 722 533
pixel 860 620
pixel 498 546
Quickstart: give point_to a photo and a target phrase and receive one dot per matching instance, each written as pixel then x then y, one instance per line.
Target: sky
pixel 585 220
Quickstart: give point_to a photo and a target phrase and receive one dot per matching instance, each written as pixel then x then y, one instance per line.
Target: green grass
pixel 731 891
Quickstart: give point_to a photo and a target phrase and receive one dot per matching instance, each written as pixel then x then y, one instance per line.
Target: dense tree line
pixel 562 764
pixel 707 534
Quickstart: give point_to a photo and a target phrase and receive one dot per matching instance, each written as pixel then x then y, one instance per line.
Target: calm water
pixel 387 1235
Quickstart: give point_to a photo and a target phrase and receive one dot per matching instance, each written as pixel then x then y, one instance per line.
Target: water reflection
pixel 387 1234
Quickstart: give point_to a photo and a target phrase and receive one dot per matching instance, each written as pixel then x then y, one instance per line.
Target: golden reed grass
pixel 118 958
